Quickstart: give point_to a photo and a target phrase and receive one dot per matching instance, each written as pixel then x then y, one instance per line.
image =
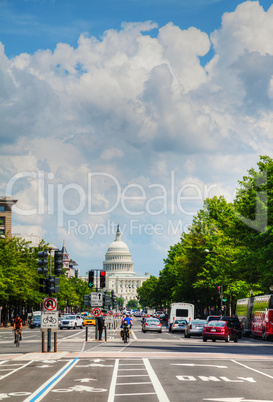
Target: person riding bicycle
pixel 129 320
pixel 18 324
pixel 126 324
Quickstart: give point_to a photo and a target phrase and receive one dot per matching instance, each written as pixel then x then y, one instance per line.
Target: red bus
pixel 262 317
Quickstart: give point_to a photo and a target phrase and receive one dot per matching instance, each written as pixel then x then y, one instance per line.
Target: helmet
pixel 127 315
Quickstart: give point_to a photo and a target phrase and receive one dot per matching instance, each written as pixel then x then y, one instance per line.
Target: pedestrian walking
pixel 100 326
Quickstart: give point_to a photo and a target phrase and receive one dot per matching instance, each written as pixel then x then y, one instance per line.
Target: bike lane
pixel 20 379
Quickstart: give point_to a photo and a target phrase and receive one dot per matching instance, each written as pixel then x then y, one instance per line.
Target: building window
pixel 2 208
pixel 2 226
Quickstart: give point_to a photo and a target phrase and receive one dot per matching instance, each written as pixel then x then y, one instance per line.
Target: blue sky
pixel 129 112
pixel 29 25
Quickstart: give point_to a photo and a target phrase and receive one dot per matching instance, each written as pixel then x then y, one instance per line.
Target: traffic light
pixel 58 262
pixel 86 300
pixel 57 285
pixel 220 288
pixel 102 279
pixel 42 262
pixel 91 279
pixel 113 297
pixel 107 301
pixel 50 285
pixel 42 285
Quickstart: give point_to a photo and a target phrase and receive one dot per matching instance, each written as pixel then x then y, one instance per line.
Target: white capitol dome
pixel 118 256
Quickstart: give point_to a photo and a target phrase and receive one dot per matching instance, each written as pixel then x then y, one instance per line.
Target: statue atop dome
pixel 118 229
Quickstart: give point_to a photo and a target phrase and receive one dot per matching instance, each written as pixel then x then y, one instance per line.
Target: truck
pixel 181 311
pixel 244 314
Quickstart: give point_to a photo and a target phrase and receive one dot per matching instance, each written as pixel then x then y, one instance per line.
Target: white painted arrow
pixel 234 400
pixel 98 360
pixel 86 379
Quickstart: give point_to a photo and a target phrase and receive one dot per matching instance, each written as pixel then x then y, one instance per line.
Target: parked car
pixel 195 328
pixel 35 322
pixel 213 318
pixel 235 323
pixel 89 320
pixel 219 330
pixel 151 324
pixel 71 321
pixel 179 325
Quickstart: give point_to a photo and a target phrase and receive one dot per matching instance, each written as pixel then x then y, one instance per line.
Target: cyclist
pixel 18 324
pixel 127 322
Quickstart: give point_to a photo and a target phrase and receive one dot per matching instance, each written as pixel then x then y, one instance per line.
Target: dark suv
pixel 235 323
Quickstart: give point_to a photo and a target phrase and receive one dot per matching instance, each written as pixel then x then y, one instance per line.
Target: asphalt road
pixel 154 367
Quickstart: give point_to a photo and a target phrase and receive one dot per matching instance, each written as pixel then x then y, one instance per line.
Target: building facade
pixel 119 268
pixel 6 204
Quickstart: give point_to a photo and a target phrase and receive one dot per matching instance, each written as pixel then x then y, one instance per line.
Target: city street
pixel 153 366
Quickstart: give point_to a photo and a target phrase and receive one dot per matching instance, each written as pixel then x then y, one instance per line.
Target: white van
pixel 181 311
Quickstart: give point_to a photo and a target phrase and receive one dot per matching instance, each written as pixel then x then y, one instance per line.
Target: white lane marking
pixel 133 333
pixel 137 375
pixel 162 396
pixel 133 383
pixel 196 365
pixel 144 393
pixel 14 371
pixel 133 369
pixel 111 395
pixel 3 361
pixel 134 364
pixel 250 368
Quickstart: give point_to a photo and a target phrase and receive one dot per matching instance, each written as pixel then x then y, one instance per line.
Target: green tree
pixel 132 304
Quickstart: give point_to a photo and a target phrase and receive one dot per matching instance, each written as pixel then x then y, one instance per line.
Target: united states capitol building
pixel 119 268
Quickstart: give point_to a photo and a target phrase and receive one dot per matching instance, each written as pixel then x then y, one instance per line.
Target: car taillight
pixel 159 324
pixel 190 326
pixel 146 325
pixel 173 325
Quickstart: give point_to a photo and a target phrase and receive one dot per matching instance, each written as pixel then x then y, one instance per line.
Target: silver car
pixel 195 328
pixel 151 324
pixel 179 325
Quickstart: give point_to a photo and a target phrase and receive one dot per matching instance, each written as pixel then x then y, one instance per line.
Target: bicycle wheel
pixel 17 339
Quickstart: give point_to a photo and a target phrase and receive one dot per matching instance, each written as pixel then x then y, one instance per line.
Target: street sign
pixel 50 319
pixel 96 312
pixel 50 304
pixel 96 299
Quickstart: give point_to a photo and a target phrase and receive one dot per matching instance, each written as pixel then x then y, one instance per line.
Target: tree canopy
pixel 227 244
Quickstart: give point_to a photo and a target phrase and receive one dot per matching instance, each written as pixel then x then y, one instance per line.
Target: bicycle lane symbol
pixel 80 388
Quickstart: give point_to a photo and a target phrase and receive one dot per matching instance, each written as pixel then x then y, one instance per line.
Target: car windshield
pixel 180 322
pixel 149 321
pixel 217 324
pixel 89 318
pixel 70 317
pixel 214 318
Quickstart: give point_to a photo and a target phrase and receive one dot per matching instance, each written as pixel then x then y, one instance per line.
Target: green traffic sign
pixel 224 300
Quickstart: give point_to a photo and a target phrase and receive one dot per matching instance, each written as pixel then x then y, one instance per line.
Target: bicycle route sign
pixel 50 304
pixel 50 320
pixel 96 312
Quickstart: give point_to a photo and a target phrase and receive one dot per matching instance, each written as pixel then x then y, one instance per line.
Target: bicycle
pixel 17 337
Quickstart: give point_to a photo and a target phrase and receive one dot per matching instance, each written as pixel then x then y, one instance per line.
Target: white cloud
pixel 138 109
